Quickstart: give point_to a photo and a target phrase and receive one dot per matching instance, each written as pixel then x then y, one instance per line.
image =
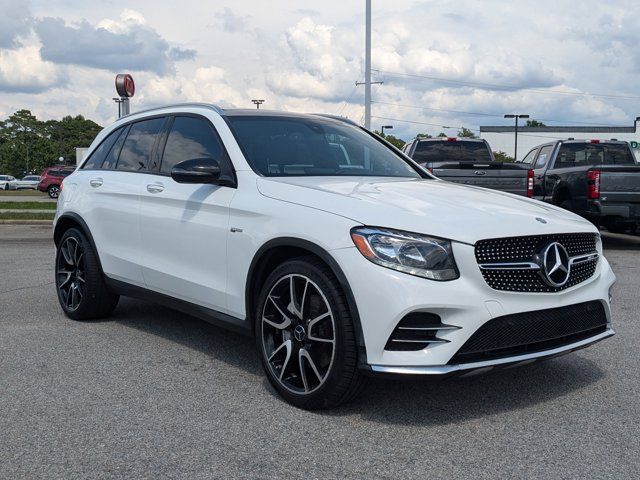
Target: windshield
pixel 457 151
pixel 298 146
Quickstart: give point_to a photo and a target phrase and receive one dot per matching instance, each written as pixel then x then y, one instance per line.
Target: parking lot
pixel 157 394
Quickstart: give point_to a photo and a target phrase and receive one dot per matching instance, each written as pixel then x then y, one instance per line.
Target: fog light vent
pixel 416 331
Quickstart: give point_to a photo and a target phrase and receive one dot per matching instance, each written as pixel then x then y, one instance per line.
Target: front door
pixel 184 226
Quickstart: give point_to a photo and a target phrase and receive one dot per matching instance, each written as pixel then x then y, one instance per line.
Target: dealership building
pixel 501 138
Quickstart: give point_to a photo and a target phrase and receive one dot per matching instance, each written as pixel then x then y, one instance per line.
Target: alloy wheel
pixel 298 334
pixel 54 192
pixel 70 273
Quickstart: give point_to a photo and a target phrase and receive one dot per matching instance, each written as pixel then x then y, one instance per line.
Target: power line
pixel 459 128
pixel 489 114
pixel 508 87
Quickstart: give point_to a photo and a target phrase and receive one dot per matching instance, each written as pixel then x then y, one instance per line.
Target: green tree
pixel 503 157
pixel 393 140
pixel 534 123
pixel 28 144
pixel 442 135
pixel 424 135
pixel 466 133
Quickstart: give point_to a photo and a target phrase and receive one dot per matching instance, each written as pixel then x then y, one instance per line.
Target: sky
pixel 442 63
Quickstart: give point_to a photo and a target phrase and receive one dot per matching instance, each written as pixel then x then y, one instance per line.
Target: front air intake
pixel 416 331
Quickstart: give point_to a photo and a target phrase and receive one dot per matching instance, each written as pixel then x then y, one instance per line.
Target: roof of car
pixel 237 112
pixel 446 139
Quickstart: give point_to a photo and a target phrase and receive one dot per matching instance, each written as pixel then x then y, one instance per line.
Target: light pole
pixel 516 116
pixel 257 103
pixel 388 127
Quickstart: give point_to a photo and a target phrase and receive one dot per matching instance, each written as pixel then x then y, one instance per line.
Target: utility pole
pixel 367 67
pixel 516 116
pixel 257 103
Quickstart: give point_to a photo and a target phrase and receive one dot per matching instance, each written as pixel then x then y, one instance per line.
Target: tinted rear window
pixel 586 154
pixel 458 151
pixel 99 154
pixel 137 148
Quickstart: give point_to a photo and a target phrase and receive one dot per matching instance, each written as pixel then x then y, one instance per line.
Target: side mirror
pixel 197 170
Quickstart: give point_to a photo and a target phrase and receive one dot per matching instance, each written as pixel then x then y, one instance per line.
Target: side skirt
pixel 213 317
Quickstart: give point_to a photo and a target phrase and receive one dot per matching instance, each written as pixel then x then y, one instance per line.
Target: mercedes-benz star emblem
pixel 556 267
pixel 299 333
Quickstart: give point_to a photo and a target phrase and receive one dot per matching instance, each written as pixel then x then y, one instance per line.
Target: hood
pixel 434 207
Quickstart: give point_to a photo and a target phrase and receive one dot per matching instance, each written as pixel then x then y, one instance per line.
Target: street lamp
pixel 388 127
pixel 516 116
pixel 258 103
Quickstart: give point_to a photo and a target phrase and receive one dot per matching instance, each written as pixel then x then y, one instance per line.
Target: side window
pixel 190 138
pixel 99 154
pixel 528 159
pixel 543 156
pixel 137 148
pixel 112 157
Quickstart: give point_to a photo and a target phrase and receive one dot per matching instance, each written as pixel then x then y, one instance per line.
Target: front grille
pixel 529 332
pixel 528 249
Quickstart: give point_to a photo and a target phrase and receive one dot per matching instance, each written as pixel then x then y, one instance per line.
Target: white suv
pixel 338 253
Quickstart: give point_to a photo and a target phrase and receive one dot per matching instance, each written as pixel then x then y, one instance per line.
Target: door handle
pixel 95 182
pixel 155 188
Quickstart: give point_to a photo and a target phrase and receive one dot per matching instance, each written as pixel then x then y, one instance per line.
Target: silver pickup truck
pixel 471 162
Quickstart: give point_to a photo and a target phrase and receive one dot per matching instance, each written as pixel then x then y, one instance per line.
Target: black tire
pixel 342 379
pixel 6 186
pixel 79 281
pixel 53 191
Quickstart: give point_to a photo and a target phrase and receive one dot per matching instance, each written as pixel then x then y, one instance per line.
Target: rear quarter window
pixel 99 155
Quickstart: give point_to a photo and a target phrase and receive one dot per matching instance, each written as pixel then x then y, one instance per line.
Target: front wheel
pixel 305 336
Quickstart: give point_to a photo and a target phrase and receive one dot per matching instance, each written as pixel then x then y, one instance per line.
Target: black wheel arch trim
pixel 326 257
pixel 58 232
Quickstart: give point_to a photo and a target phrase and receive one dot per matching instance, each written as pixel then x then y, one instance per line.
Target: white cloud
pixel 23 70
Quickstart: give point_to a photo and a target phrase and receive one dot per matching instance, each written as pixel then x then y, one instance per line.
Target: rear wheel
pixel 80 285
pixel 6 186
pixel 305 336
pixel 53 191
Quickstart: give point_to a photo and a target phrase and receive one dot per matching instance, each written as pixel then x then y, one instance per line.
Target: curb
pixel 26 222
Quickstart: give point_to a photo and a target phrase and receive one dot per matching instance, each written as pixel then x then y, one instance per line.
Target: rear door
pixel 184 226
pixel 113 186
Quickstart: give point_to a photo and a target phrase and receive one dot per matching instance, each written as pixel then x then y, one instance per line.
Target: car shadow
pixel 425 402
pixel 619 241
pixel 420 401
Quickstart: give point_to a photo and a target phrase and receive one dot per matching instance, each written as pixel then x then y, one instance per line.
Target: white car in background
pixel 338 254
pixel 28 182
pixel 7 182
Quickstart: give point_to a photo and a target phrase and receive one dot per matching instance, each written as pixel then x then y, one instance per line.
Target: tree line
pixel 28 145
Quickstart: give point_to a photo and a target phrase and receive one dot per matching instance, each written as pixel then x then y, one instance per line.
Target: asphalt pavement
pixel 157 394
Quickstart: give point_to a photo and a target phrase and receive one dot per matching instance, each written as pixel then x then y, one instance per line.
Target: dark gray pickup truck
pixel 470 161
pixel 599 180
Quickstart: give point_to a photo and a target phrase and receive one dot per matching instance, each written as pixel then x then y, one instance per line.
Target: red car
pixel 51 179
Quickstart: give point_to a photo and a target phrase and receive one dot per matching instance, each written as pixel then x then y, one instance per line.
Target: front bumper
pixel 385 296
pixel 514 361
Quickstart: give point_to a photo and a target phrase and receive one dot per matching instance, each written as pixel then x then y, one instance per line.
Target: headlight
pixel 412 253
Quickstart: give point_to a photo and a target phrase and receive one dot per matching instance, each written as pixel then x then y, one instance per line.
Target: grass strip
pixel 26 216
pixel 27 205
